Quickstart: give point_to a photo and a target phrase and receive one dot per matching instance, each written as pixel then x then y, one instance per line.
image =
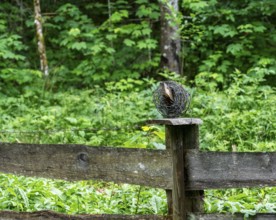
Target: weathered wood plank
pixel 46 215
pixel 214 170
pixel 175 144
pixel 168 191
pixel 269 216
pixel 78 162
pixel 204 170
pixel 178 140
pixel 175 121
pixel 190 138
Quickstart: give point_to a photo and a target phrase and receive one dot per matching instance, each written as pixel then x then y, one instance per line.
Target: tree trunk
pixel 170 36
pixel 40 39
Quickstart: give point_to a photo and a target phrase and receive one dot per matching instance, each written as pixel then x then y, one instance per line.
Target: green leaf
pixel 147 44
pixel 71 120
pixel 110 50
pixel 24 197
pixel 79 45
pixel 111 36
pixel 74 32
pixel 225 30
pixel 146 31
pixel 245 28
pixel 57 192
pixel 234 49
pixel 198 5
pixel 259 28
pixel 97 48
pixel 129 42
pixel 141 1
pixel 137 33
pixel 119 15
pixel 160 134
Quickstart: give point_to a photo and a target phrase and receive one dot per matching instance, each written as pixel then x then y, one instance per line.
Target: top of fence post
pixel 175 121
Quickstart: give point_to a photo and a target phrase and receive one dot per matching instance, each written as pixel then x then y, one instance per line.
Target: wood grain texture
pixel 190 141
pixel 50 215
pixel 269 216
pixel 175 121
pixel 215 170
pixel 204 170
pixel 175 144
pixel 168 191
pixel 180 139
pixel 78 162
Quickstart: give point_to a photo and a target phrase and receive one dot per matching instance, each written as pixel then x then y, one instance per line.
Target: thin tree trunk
pixel 170 37
pixel 40 39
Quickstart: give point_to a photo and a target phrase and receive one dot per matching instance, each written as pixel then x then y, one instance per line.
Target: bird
pixel 171 99
pixel 167 93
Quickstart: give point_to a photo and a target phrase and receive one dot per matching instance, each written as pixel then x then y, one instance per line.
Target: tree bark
pixel 170 44
pixel 40 39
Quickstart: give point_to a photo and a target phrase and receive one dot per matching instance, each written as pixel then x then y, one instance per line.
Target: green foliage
pixel 98 50
pixel 247 201
pixel 245 106
pixel 240 117
pixel 91 47
pixel 220 37
pixel 28 194
pixel 9 46
pixel 79 116
pixel 104 62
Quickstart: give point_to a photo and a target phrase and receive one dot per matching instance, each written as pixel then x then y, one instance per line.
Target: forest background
pixel 104 60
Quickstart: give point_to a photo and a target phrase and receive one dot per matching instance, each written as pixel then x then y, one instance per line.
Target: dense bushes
pixel 221 36
pixel 90 43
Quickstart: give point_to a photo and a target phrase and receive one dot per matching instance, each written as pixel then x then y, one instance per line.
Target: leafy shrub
pixel 97 51
pixel 219 37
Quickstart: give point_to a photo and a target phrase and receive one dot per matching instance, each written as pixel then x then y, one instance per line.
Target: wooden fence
pixel 181 169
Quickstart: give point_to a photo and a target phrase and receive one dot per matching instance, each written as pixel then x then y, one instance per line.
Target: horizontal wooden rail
pixel 204 170
pixel 214 170
pixel 78 162
pixel 50 215
pixel 46 215
pixel 269 216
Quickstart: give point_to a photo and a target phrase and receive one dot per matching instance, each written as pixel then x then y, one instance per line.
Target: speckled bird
pixel 167 93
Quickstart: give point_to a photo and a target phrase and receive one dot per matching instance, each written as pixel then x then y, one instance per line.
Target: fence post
pixel 168 191
pixel 181 134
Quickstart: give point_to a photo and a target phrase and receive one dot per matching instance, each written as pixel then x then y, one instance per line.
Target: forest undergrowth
pixel 239 118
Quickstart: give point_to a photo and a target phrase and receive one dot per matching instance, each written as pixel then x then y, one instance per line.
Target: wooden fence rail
pixel 205 170
pixel 50 215
pixel 181 169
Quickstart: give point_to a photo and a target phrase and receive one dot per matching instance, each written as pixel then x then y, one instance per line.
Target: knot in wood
pixel 83 158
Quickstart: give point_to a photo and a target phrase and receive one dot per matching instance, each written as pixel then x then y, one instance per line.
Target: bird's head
pixel 167 90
